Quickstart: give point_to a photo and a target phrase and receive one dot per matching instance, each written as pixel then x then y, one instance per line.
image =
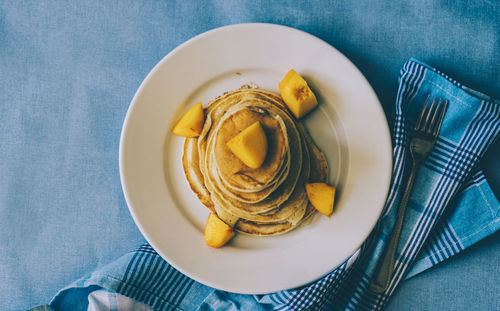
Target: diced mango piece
pixel 321 196
pixel 217 232
pixel 191 123
pixel 250 145
pixel 296 94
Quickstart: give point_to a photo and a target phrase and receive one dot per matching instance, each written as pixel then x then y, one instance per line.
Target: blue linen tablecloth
pixel 69 70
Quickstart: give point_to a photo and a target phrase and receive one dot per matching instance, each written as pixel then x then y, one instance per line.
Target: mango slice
pixel 217 232
pixel 250 145
pixel 297 95
pixel 321 196
pixel 191 123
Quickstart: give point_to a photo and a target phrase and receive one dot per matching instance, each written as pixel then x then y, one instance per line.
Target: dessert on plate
pixel 251 162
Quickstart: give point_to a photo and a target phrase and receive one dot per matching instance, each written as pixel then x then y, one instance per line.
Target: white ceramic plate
pixel 349 126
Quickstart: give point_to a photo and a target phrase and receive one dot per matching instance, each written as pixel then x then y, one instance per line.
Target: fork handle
pixel 382 277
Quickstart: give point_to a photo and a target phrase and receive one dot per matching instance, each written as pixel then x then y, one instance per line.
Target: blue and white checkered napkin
pixel 451 208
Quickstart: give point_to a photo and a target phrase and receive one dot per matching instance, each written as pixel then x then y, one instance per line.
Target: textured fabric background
pixel 69 70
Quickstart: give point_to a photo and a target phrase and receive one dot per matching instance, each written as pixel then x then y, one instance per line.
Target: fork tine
pixel 426 126
pixel 430 126
pixel 437 126
pixel 421 116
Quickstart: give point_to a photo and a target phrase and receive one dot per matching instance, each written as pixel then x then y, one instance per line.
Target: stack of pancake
pixel 268 200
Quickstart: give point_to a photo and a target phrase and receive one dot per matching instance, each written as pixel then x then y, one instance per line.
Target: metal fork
pixel 422 142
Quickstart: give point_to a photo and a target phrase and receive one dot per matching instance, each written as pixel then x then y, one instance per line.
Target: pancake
pixel 249 202
pixel 234 173
pixel 238 180
pixel 268 200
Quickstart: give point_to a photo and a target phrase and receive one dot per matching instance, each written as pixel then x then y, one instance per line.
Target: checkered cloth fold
pixel 450 208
